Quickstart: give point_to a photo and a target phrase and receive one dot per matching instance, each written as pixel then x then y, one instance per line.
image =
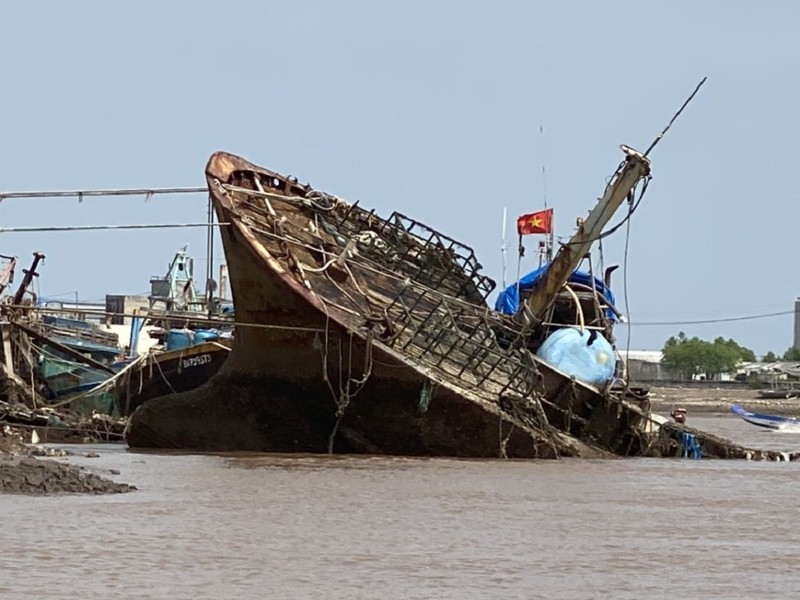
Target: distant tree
pixel 693 356
pixel 746 354
pixel 792 354
pixel 769 357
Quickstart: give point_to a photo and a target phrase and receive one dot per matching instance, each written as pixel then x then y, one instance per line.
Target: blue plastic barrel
pixel 585 355
pixel 179 338
pixel 205 335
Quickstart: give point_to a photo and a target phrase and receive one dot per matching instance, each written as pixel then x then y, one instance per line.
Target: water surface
pixel 212 526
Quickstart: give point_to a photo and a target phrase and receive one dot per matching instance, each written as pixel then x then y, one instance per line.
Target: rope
pixel 578 307
pixel 625 291
pixel 164 377
pixel 309 200
pixel 266 200
pixel 155 316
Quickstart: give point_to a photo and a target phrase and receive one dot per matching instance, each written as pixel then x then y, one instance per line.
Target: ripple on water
pixel 215 526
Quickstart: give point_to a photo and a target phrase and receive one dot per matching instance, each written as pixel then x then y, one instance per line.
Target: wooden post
pixel 5 336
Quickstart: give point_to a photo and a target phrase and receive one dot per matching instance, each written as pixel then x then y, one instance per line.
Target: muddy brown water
pixel 265 526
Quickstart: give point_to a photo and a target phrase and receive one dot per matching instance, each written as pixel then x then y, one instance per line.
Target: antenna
pixel 544 162
pixel 675 116
pixel 503 244
pixel 548 249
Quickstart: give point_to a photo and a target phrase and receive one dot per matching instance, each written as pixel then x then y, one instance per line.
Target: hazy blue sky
pixel 429 108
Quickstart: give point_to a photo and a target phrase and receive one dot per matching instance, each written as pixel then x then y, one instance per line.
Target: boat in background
pixel 763 420
pixel 779 393
pixel 73 355
pixel 188 350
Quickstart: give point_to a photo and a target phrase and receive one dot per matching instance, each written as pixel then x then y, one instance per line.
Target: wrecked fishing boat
pixel 362 334
pixel 357 333
pixel 48 362
pixel 70 363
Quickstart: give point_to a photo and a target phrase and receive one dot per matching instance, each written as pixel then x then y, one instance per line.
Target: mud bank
pixel 21 473
pixel 718 400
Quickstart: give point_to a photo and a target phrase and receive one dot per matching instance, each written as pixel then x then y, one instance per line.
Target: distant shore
pixel 717 400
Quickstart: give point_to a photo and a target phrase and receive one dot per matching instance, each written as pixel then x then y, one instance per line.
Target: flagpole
pixel 503 244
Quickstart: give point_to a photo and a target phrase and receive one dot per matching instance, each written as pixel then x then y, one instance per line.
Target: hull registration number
pixel 196 361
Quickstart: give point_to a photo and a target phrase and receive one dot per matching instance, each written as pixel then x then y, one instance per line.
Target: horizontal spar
pixel 80 194
pixel 103 227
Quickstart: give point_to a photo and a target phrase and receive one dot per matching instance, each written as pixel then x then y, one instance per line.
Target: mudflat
pixel 718 400
pixel 21 473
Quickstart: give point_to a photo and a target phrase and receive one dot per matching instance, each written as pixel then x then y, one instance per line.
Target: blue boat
pixel 762 420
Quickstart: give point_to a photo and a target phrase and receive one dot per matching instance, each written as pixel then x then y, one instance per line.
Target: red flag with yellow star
pixel 538 222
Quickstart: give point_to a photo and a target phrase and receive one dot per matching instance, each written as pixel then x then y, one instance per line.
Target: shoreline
pixel 718 400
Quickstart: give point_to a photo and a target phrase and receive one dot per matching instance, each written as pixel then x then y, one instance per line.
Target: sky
pixel 446 111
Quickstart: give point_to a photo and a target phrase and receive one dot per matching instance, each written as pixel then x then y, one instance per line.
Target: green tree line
pixel 692 356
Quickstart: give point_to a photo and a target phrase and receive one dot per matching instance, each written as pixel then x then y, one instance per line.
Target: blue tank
pixel 179 338
pixel 205 335
pixel 585 355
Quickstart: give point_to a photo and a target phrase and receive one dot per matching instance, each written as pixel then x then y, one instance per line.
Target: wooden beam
pixel 5 336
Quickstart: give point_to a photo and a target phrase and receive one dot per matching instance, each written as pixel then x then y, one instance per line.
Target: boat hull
pixel 270 395
pixel 310 371
pixel 764 420
pixel 169 373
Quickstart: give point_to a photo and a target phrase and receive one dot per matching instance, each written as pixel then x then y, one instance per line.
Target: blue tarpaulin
pixel 508 300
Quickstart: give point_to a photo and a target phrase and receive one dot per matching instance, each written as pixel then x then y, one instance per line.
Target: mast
pixel 635 167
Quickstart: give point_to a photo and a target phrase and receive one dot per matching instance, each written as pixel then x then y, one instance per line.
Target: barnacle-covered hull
pixel 359 334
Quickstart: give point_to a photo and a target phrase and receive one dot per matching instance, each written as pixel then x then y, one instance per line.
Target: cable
pixel 708 321
pixel 103 227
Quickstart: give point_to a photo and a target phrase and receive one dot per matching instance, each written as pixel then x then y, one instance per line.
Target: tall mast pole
pixel 635 167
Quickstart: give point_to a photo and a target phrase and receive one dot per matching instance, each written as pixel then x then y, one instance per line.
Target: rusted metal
pixel 7 271
pixel 402 309
pixel 28 278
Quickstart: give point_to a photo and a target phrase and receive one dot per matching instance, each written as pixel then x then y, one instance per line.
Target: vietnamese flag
pixel 538 222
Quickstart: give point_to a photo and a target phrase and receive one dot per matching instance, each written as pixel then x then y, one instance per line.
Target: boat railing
pixel 398 244
pixel 462 342
pixel 416 251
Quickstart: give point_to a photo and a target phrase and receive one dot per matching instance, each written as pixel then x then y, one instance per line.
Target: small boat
pixel 762 420
pixel 779 394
